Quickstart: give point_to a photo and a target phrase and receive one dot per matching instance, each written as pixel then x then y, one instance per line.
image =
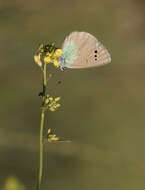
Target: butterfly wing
pixel 83 50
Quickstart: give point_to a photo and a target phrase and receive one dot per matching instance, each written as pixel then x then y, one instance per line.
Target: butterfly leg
pixel 63 68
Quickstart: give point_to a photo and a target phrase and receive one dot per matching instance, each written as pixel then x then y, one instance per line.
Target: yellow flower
pixel 37 59
pixel 57 105
pixel 52 138
pixel 49 131
pixel 47 59
pixel 56 63
pixel 57 99
pixel 48 54
pixel 58 53
pixel 50 99
pixel 52 109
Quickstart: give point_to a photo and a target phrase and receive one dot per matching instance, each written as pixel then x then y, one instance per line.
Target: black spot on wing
pixel 95 55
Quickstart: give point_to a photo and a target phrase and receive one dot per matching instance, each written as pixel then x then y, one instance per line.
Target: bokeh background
pixel 103 109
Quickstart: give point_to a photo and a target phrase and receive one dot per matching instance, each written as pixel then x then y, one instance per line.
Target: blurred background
pixel 103 109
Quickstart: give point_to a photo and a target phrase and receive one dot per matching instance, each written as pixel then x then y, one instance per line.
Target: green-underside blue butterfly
pixel 83 50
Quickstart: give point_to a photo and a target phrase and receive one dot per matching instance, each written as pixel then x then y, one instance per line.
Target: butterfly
pixel 82 50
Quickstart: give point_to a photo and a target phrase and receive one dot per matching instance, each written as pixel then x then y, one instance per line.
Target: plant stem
pixel 41 148
pixel 42 126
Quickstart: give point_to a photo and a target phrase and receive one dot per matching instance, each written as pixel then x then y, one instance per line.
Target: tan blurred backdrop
pixel 103 109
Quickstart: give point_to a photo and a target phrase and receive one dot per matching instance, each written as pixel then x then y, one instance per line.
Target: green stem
pixel 42 126
pixel 41 147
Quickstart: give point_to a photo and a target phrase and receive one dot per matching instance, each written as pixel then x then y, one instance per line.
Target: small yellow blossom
pixel 57 105
pixel 52 109
pixel 47 59
pixel 56 63
pixel 50 99
pixel 49 130
pixel 47 100
pixel 48 54
pixel 58 53
pixel 37 59
pixel 57 99
pixel 51 137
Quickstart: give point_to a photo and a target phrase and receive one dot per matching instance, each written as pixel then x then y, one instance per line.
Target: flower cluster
pixel 53 57
pixel 47 54
pixel 51 103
